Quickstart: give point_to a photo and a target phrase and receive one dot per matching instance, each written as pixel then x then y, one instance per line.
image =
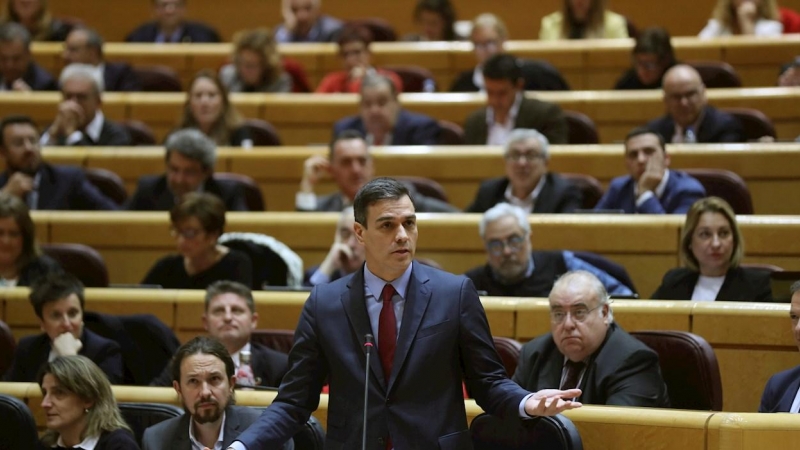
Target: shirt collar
pixel 681 131
pixel 174 37
pixel 95 127
pixel 512 114
pixel 198 445
pixel 662 186
pixel 375 284
pixel 236 356
pixel 477 79
pixel 531 199
pixel 88 443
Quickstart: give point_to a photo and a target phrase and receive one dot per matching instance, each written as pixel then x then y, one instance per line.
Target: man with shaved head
pixel 689 118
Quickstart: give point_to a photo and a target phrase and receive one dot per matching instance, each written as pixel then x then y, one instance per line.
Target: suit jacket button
pixel 381 441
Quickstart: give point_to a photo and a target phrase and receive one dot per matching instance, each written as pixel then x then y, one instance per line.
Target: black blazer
pixel 32 352
pixel 118 439
pixel 37 78
pixel 153 194
pixel 547 118
pixel 120 77
pixel 410 128
pixel 780 391
pixel 66 188
pixel 191 32
pixel 717 126
pixel 539 76
pixel 558 195
pixel 740 285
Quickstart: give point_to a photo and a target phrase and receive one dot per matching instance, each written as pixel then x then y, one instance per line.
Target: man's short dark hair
pixel 503 66
pixel 795 287
pixel 220 287
pixel 344 135
pixel 638 131
pixel 378 189
pixel 354 33
pixel 202 345
pixel 53 287
pixel 14 119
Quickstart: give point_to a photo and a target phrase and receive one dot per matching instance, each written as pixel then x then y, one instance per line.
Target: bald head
pixel 684 94
pixel 580 314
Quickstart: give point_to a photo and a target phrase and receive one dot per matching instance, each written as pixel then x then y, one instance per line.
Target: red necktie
pixel 387 331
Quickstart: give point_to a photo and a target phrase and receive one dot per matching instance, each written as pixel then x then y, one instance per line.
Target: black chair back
pixel 550 433
pixel 158 78
pixel 7 347
pixel 581 128
pixel 252 193
pixel 82 261
pixel 591 189
pixel 450 133
pixel 140 416
pixel 727 185
pixel 108 183
pixel 19 427
pixel 262 133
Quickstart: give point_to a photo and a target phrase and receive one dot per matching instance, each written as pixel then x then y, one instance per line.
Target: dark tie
pixel 387 331
pixel 573 375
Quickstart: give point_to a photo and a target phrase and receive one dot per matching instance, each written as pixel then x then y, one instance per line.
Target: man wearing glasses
pixel 514 270
pixel 586 349
pixel 528 182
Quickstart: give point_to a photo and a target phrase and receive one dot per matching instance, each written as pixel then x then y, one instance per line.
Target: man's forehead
pixel 392 209
pixel 202 363
pixel 795 305
pixel 525 145
pixel 226 298
pixel 572 295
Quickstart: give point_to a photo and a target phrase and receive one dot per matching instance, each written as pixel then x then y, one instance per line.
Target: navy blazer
pixel 190 32
pixel 716 126
pixel 153 194
pixel 66 188
pixel 410 128
pixel 120 77
pixel 680 193
pixel 444 339
pixel 780 391
pixel 558 195
pixel 32 352
pixel 37 78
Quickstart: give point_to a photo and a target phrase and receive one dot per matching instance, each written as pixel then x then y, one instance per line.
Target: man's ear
pixel 205 321
pixel 667 159
pixel 177 387
pixel 358 229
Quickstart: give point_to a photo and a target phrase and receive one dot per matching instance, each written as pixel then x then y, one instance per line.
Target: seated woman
pixel 80 407
pixel 209 109
pixel 435 21
pixel 256 64
pixel 197 222
pixel 711 249
pixel 35 16
pixel 744 17
pixel 583 19
pixel 21 261
pixel 652 57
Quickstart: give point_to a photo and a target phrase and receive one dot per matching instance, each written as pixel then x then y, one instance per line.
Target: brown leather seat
pixel 109 183
pixel 689 367
pixel 158 78
pixel 591 189
pixel 262 133
pixel 7 346
pixel 280 340
pixel 755 123
pixel 451 133
pixel 425 186
pixel 727 186
pixel 252 193
pixel 82 261
pixel 381 29
pixel 581 128
pixel 415 78
pixel 509 350
pixel 141 134
pixel 717 74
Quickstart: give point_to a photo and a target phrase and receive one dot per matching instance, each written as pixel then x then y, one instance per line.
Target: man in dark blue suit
pixel 41 185
pixel 651 188
pixel 431 333
pixel 85 46
pixel 18 70
pixel 383 120
pixel 782 393
pixel 170 26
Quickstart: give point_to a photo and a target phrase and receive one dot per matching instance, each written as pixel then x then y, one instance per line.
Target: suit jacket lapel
pixel 233 427
pixel 551 371
pixel 355 307
pixel 181 439
pixel 418 296
pixel 545 196
pixel 787 398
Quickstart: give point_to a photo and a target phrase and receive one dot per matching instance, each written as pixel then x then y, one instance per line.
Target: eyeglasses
pixel 523 156
pixel 188 233
pixel 496 246
pixel 577 314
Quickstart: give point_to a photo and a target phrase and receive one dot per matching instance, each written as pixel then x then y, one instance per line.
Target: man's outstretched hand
pixel 549 402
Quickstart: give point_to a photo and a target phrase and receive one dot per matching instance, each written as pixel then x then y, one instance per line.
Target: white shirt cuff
pixel 305 201
pixel 522 412
pixel 237 446
pixel 643 197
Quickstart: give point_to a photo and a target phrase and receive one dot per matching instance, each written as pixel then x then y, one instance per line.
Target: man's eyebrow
pixel 387 218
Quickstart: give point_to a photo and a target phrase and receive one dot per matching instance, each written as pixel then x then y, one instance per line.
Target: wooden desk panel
pixel 731 431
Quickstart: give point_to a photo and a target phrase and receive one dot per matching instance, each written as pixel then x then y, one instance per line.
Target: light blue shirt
pixel 373 286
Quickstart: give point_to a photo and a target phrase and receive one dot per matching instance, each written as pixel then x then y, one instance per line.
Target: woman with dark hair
pixel 711 249
pixel 197 222
pixel 652 57
pixel 745 18
pixel 80 408
pixel 435 21
pixel 35 16
pixel 256 64
pixel 209 109
pixel 21 261
pixel 583 19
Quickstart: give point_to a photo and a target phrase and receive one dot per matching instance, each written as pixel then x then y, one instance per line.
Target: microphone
pixel 369 342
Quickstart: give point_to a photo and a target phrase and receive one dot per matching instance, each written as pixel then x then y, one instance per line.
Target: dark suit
pixel 409 129
pixel 32 352
pixel 740 285
pixel 37 78
pixel 780 391
pixel 444 338
pixel 66 187
pixel 558 195
pixel 539 76
pixel 335 203
pixel 120 77
pixel 680 193
pixel 622 372
pixel 153 194
pixel 716 126
pixel 190 32
pixel 111 135
pixel 547 118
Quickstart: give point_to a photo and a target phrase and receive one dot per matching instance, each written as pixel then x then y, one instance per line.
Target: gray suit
pixel 173 434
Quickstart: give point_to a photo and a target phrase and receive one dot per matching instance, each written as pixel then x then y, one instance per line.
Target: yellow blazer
pixel 615 27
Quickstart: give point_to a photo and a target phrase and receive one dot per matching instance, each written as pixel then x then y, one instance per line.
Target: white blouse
pixel 707 288
pixel 764 27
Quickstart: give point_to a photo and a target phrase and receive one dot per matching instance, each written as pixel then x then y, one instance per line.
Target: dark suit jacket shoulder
pixel 623 372
pixel 780 391
pixel 558 195
pixel 680 193
pixel 547 118
pixel 153 194
pixel 410 128
pixel 716 126
pixel 113 134
pixel 39 267
pixel 173 434
pixel 740 285
pixel 66 188
pixel 120 77
pixel 192 32
pixel 39 79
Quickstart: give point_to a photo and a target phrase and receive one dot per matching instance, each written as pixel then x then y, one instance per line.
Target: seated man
pixel 80 120
pixel 85 46
pixel 585 349
pixel 345 256
pixel 650 187
pixel 304 22
pixel 528 182
pixel 689 118
pixel 230 317
pixel 508 108
pixel 171 27
pixel 57 300
pixel 190 160
pixel 350 166
pixel 513 269
pixel 38 184
pixel 202 373
pixel 355 55
pixel 384 121
pixel 782 392
pixel 18 70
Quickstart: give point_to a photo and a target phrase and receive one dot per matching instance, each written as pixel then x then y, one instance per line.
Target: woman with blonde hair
pixel 744 17
pixel 711 249
pixel 256 64
pixel 583 19
pixel 80 408
pixel 35 16
pixel 208 108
